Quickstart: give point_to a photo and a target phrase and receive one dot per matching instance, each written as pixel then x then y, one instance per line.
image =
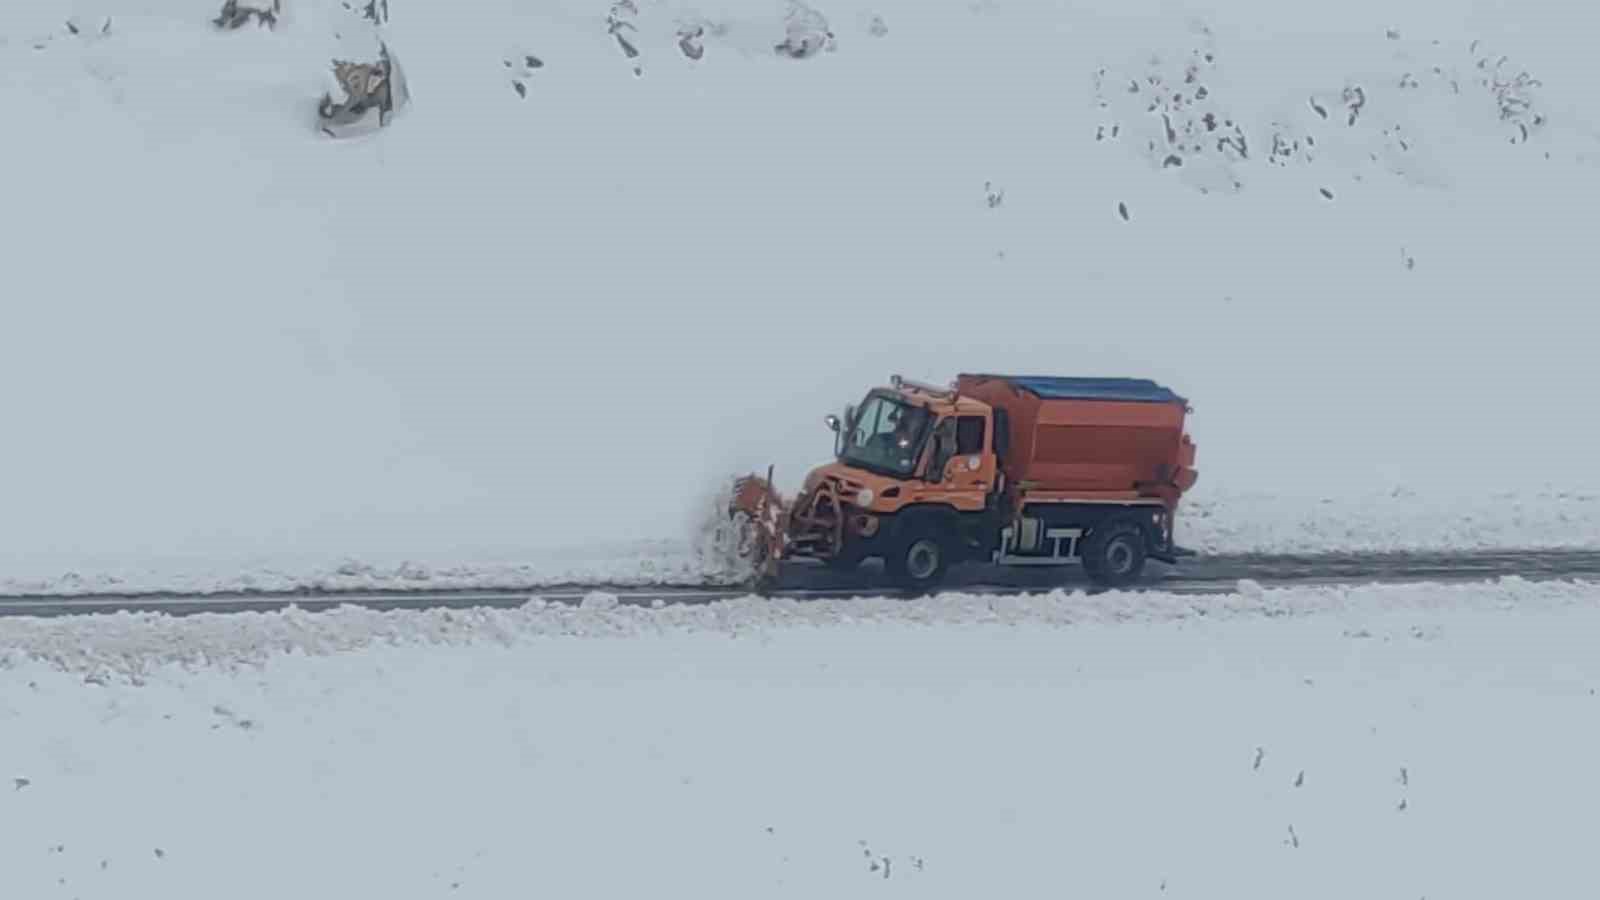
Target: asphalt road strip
pixel 1217 575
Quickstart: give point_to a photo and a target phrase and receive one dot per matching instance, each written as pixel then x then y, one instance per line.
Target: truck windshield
pixel 886 436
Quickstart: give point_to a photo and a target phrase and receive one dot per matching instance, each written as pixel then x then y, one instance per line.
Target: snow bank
pixel 1393 742
pixel 562 295
pixel 645 564
pixel 1213 522
pixel 134 644
pixel 1399 519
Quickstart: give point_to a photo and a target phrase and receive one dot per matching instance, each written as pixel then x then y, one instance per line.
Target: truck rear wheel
pixel 1115 553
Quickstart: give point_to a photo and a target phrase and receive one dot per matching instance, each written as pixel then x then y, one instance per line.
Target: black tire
pixel 1115 553
pixel 920 560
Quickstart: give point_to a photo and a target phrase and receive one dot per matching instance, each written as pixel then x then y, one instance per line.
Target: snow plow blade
pixel 759 518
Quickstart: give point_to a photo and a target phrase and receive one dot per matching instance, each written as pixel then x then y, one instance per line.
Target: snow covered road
pixel 1199 576
pixel 1420 741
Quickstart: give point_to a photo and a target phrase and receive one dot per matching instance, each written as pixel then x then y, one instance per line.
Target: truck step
pixel 1172 555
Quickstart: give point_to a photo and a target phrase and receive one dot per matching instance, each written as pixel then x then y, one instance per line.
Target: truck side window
pixel 969 435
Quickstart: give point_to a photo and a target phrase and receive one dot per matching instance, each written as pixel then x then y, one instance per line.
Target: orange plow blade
pixel 759 518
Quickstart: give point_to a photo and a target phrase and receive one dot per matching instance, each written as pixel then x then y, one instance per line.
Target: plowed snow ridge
pixel 128 644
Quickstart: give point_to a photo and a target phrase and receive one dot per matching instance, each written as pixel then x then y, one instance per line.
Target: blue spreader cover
pixel 1125 390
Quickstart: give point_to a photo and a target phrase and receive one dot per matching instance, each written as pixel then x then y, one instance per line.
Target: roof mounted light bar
pixel 899 383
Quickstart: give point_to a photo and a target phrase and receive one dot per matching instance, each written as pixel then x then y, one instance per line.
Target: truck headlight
pixel 865 497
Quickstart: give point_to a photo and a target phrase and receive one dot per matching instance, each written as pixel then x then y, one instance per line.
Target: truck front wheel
pixel 1115 553
pixel 919 562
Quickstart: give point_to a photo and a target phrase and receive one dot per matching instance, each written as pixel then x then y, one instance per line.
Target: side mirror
pixel 832 422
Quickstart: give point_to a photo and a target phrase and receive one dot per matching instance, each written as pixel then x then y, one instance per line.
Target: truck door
pixel 969 465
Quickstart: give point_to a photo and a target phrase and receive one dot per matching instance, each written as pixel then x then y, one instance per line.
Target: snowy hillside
pixel 572 288
pixel 1393 742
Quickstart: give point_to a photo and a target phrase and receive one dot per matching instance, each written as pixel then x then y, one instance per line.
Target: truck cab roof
pixel 940 402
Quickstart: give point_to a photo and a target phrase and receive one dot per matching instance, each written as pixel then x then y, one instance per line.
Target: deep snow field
pixel 1377 742
pixel 522 336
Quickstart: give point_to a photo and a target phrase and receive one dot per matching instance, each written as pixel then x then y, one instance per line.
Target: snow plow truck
pixel 1001 469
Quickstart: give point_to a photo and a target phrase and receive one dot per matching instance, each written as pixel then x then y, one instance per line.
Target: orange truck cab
pixel 1009 470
